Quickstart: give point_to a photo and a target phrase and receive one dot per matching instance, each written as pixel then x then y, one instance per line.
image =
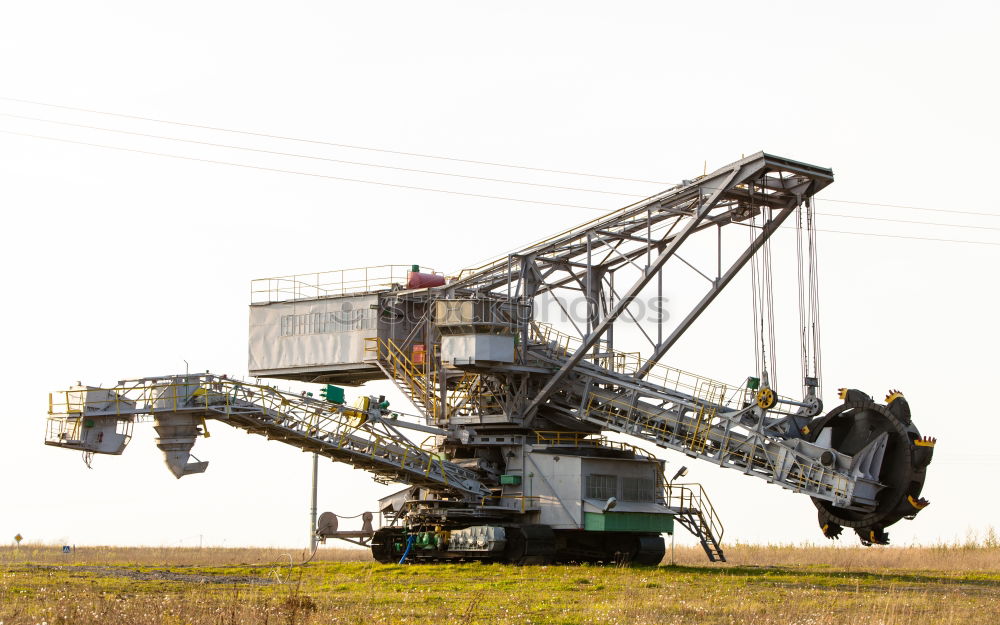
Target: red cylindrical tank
pixel 418 280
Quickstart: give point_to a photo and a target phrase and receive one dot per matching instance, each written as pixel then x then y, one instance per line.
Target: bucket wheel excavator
pixel 514 414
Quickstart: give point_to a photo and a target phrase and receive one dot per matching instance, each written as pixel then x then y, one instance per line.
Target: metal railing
pixel 582 439
pixel 692 497
pixel 661 427
pixel 628 363
pixel 521 503
pixel 337 430
pixel 358 280
pixel 419 381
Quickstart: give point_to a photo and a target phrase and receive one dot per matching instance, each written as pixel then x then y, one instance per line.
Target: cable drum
pixel 326 524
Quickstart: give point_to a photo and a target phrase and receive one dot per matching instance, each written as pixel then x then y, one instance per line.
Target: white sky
pixel 121 265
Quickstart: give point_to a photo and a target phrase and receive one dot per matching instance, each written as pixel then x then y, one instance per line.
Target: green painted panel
pixel 332 394
pixel 513 480
pixel 628 522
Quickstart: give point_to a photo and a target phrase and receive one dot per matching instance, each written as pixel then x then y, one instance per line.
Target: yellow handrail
pixel 694 433
pixel 421 379
pixel 581 439
pixel 334 424
pixel 693 497
pixel 628 363
pixel 532 500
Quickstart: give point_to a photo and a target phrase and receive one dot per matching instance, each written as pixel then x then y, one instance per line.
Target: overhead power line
pixel 332 144
pixel 416 188
pixel 439 173
pixel 315 158
pixel 300 173
pixel 901 236
pixel 916 208
pixel 907 221
pixel 455 159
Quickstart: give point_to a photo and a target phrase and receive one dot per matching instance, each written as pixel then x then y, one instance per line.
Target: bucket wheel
pixel 851 427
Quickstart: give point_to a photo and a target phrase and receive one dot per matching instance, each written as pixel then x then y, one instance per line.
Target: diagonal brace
pixel 767 230
pixel 591 339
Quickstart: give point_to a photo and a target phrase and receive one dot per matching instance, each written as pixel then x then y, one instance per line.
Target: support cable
pixel 768 285
pixel 803 321
pixel 760 353
pixel 814 296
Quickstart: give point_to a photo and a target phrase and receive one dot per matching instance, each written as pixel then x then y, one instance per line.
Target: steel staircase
pixel 697 515
pixel 419 381
pixel 415 381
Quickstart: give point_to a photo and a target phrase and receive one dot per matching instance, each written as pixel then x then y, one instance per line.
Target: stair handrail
pixel 695 498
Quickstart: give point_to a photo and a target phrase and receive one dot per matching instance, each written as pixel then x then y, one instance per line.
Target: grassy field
pixel 790 585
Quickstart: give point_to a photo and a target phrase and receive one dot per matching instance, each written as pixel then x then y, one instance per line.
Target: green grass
pixel 811 591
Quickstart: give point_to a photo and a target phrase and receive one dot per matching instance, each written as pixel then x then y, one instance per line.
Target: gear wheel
pixel 766 398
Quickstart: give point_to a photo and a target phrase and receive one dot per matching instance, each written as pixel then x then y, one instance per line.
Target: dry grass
pixel 958 583
pixel 945 557
pixel 969 555
pixel 175 556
